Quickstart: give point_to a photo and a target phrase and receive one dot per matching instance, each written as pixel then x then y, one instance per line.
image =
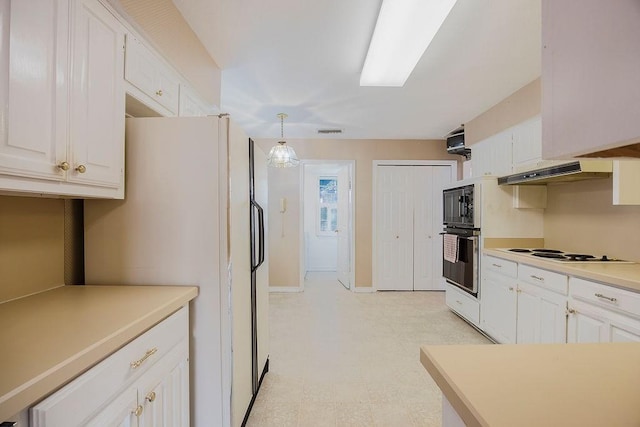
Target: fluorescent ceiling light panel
pixel 403 32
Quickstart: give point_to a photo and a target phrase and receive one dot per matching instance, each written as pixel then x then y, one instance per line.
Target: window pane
pixel 323 218
pixel 334 219
pixel 328 190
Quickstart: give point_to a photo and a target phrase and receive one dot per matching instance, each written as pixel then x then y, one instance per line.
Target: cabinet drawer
pixel 81 398
pixel 463 304
pixel 499 265
pixel 545 279
pixel 606 296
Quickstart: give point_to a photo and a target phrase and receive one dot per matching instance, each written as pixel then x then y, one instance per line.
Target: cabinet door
pixel 121 412
pixel 586 324
pixel 33 121
pixel 624 331
pixel 541 317
pixel 96 146
pixel 498 307
pixel 527 143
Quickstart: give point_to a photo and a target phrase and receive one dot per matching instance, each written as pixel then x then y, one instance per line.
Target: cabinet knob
pixel 510 288
pixel 138 411
pixel 151 396
pixel 63 166
pixel 571 311
pixel 81 168
pixel 159 92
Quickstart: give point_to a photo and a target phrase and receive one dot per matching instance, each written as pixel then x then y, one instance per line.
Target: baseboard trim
pixel 285 289
pixel 363 289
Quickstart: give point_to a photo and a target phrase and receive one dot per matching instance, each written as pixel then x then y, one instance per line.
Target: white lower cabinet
pixel 522 304
pixel 541 316
pixel 529 305
pixel 600 313
pixel 498 310
pixel 145 383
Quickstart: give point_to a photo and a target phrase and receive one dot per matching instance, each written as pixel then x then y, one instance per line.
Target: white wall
pixel 320 251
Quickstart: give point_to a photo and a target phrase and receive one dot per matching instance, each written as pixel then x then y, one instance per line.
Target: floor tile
pixel 339 358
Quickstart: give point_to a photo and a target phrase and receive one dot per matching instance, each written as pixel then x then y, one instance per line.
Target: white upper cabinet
pixel 62 129
pixel 492 156
pixel 96 151
pixel 191 105
pixel 527 144
pixel 34 80
pixel 590 76
pixel 153 83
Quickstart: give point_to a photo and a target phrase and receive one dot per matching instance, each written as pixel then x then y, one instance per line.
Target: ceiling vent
pixel 329 131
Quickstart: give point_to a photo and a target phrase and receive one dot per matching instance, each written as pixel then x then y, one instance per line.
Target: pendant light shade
pixel 281 155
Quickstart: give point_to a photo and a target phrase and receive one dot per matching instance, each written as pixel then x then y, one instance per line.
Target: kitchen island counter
pixel 539 384
pixel 53 336
pixel 621 275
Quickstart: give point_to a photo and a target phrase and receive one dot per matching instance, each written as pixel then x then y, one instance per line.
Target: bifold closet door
pixel 427 222
pixel 394 233
pixel 408 223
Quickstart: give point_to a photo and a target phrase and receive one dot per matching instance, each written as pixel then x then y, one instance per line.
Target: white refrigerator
pixel 187 219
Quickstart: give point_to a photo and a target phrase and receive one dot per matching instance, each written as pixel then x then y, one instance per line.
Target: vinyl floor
pixel 339 358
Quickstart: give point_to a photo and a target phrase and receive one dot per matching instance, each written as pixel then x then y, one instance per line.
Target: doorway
pixel 327 232
pixel 407 221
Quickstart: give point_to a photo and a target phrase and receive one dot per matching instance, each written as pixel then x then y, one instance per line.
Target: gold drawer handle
pixel 606 298
pixel 138 411
pixel 140 361
pixel 151 396
pixel 497 265
pixel 537 278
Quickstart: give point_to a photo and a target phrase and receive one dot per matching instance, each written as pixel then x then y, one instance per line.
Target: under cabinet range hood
pixel 572 171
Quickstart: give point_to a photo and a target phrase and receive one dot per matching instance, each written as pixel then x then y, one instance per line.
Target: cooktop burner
pixel 557 255
pixel 553 255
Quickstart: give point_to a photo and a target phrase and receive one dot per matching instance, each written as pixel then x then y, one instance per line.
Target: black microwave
pixel 458 209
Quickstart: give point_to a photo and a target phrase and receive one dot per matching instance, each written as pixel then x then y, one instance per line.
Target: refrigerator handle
pixel 260 234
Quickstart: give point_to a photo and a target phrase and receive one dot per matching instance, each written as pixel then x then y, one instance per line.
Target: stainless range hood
pixel 572 171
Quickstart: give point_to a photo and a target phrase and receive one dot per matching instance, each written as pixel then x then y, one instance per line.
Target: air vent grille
pixel 329 131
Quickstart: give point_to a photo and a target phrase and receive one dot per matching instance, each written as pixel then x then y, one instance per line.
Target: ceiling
pixel 304 57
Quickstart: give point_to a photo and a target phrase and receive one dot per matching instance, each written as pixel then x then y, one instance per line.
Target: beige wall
pixel 31 245
pixel 522 105
pixel 163 23
pixel 580 217
pixel 284 251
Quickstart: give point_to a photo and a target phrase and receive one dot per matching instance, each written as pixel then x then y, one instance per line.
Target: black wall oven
pixel 463 272
pixel 460 222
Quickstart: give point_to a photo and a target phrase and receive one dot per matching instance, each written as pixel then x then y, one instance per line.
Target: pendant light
pixel 282 156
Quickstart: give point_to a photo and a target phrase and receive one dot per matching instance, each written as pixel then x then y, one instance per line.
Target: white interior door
pixel 394 233
pixel 427 246
pixel 344 227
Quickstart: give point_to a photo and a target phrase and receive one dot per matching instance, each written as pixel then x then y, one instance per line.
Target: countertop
pixel 539 384
pixel 624 276
pixel 53 336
